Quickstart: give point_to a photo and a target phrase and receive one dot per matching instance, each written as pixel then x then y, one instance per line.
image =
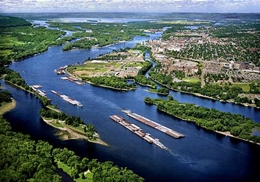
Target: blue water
pixel 200 156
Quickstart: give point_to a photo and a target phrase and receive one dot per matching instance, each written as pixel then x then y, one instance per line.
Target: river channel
pixel 200 156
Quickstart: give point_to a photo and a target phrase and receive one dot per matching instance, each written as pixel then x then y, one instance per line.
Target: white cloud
pixel 130 5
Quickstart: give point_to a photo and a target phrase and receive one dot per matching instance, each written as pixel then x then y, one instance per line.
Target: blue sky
pixel 218 6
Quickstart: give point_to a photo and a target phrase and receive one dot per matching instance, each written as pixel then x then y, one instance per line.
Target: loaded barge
pixel 67 99
pixel 153 124
pixel 137 130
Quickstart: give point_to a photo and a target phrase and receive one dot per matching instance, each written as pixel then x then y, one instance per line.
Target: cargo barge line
pixel 137 130
pixel 153 124
pixel 68 99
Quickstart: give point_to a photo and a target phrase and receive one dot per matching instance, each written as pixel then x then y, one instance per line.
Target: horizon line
pixel 136 12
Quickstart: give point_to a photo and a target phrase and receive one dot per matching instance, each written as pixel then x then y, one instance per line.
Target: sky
pixel 205 6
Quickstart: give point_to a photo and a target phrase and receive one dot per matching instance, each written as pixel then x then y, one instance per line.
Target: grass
pixel 5 107
pixel 9 41
pixel 5 52
pixel 134 64
pixel 64 167
pixel 89 178
pixel 67 169
pixel 79 128
pixel 57 124
pixel 191 80
pixel 244 86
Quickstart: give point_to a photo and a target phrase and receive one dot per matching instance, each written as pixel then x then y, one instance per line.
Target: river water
pixel 200 156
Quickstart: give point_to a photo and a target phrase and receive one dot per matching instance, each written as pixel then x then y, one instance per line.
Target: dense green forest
pixel 5 96
pixel 19 40
pixel 210 119
pixel 160 91
pixel 8 21
pixel 69 120
pixel 24 159
pixel 16 79
pixel 100 34
pixel 111 82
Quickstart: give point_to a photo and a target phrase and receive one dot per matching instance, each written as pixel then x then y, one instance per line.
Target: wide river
pixel 200 156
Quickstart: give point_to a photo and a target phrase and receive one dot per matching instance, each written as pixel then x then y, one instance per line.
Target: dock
pixel 137 130
pixel 154 124
pixel 67 99
pixel 38 91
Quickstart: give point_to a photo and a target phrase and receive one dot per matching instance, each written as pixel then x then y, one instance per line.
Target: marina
pixel 68 99
pixel 137 130
pixel 153 124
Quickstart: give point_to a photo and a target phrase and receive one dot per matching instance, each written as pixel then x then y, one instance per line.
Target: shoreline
pixel 104 86
pixel 7 107
pixel 75 134
pixel 226 133
pixel 207 97
pixel 67 133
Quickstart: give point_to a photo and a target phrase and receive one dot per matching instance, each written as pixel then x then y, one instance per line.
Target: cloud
pixel 130 6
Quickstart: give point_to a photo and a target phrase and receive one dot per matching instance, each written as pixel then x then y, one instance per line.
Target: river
pixel 200 156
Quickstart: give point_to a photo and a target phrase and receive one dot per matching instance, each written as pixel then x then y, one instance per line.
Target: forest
pixel 24 159
pixel 19 40
pixel 111 82
pixel 5 96
pixel 100 34
pixel 210 119
pixel 16 79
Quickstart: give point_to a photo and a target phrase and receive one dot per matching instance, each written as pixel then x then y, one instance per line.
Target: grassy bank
pixel 7 107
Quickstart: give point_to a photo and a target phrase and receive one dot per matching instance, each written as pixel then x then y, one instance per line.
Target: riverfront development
pixel 196 57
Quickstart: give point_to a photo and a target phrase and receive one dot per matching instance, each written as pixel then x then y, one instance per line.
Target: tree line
pixel 220 92
pixel 112 82
pixel 24 159
pixel 5 96
pixel 16 79
pixel 210 119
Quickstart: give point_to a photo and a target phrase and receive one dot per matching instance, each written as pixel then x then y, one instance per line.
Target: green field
pixel 57 124
pixel 191 80
pixel 68 170
pixel 244 86
pixel 134 64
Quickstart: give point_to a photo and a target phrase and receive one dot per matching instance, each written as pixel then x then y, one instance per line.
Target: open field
pixel 130 65
pixel 244 86
pixel 7 107
pixel 191 80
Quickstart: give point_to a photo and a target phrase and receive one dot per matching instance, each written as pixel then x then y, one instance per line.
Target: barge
pixel 137 130
pixel 153 124
pixel 67 99
pixel 72 79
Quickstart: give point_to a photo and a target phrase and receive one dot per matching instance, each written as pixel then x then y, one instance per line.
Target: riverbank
pixel 7 107
pixel 113 88
pixel 69 133
pixel 199 122
pixel 227 133
pixel 206 97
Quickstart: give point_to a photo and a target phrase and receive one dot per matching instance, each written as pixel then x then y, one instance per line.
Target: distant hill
pixel 8 21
